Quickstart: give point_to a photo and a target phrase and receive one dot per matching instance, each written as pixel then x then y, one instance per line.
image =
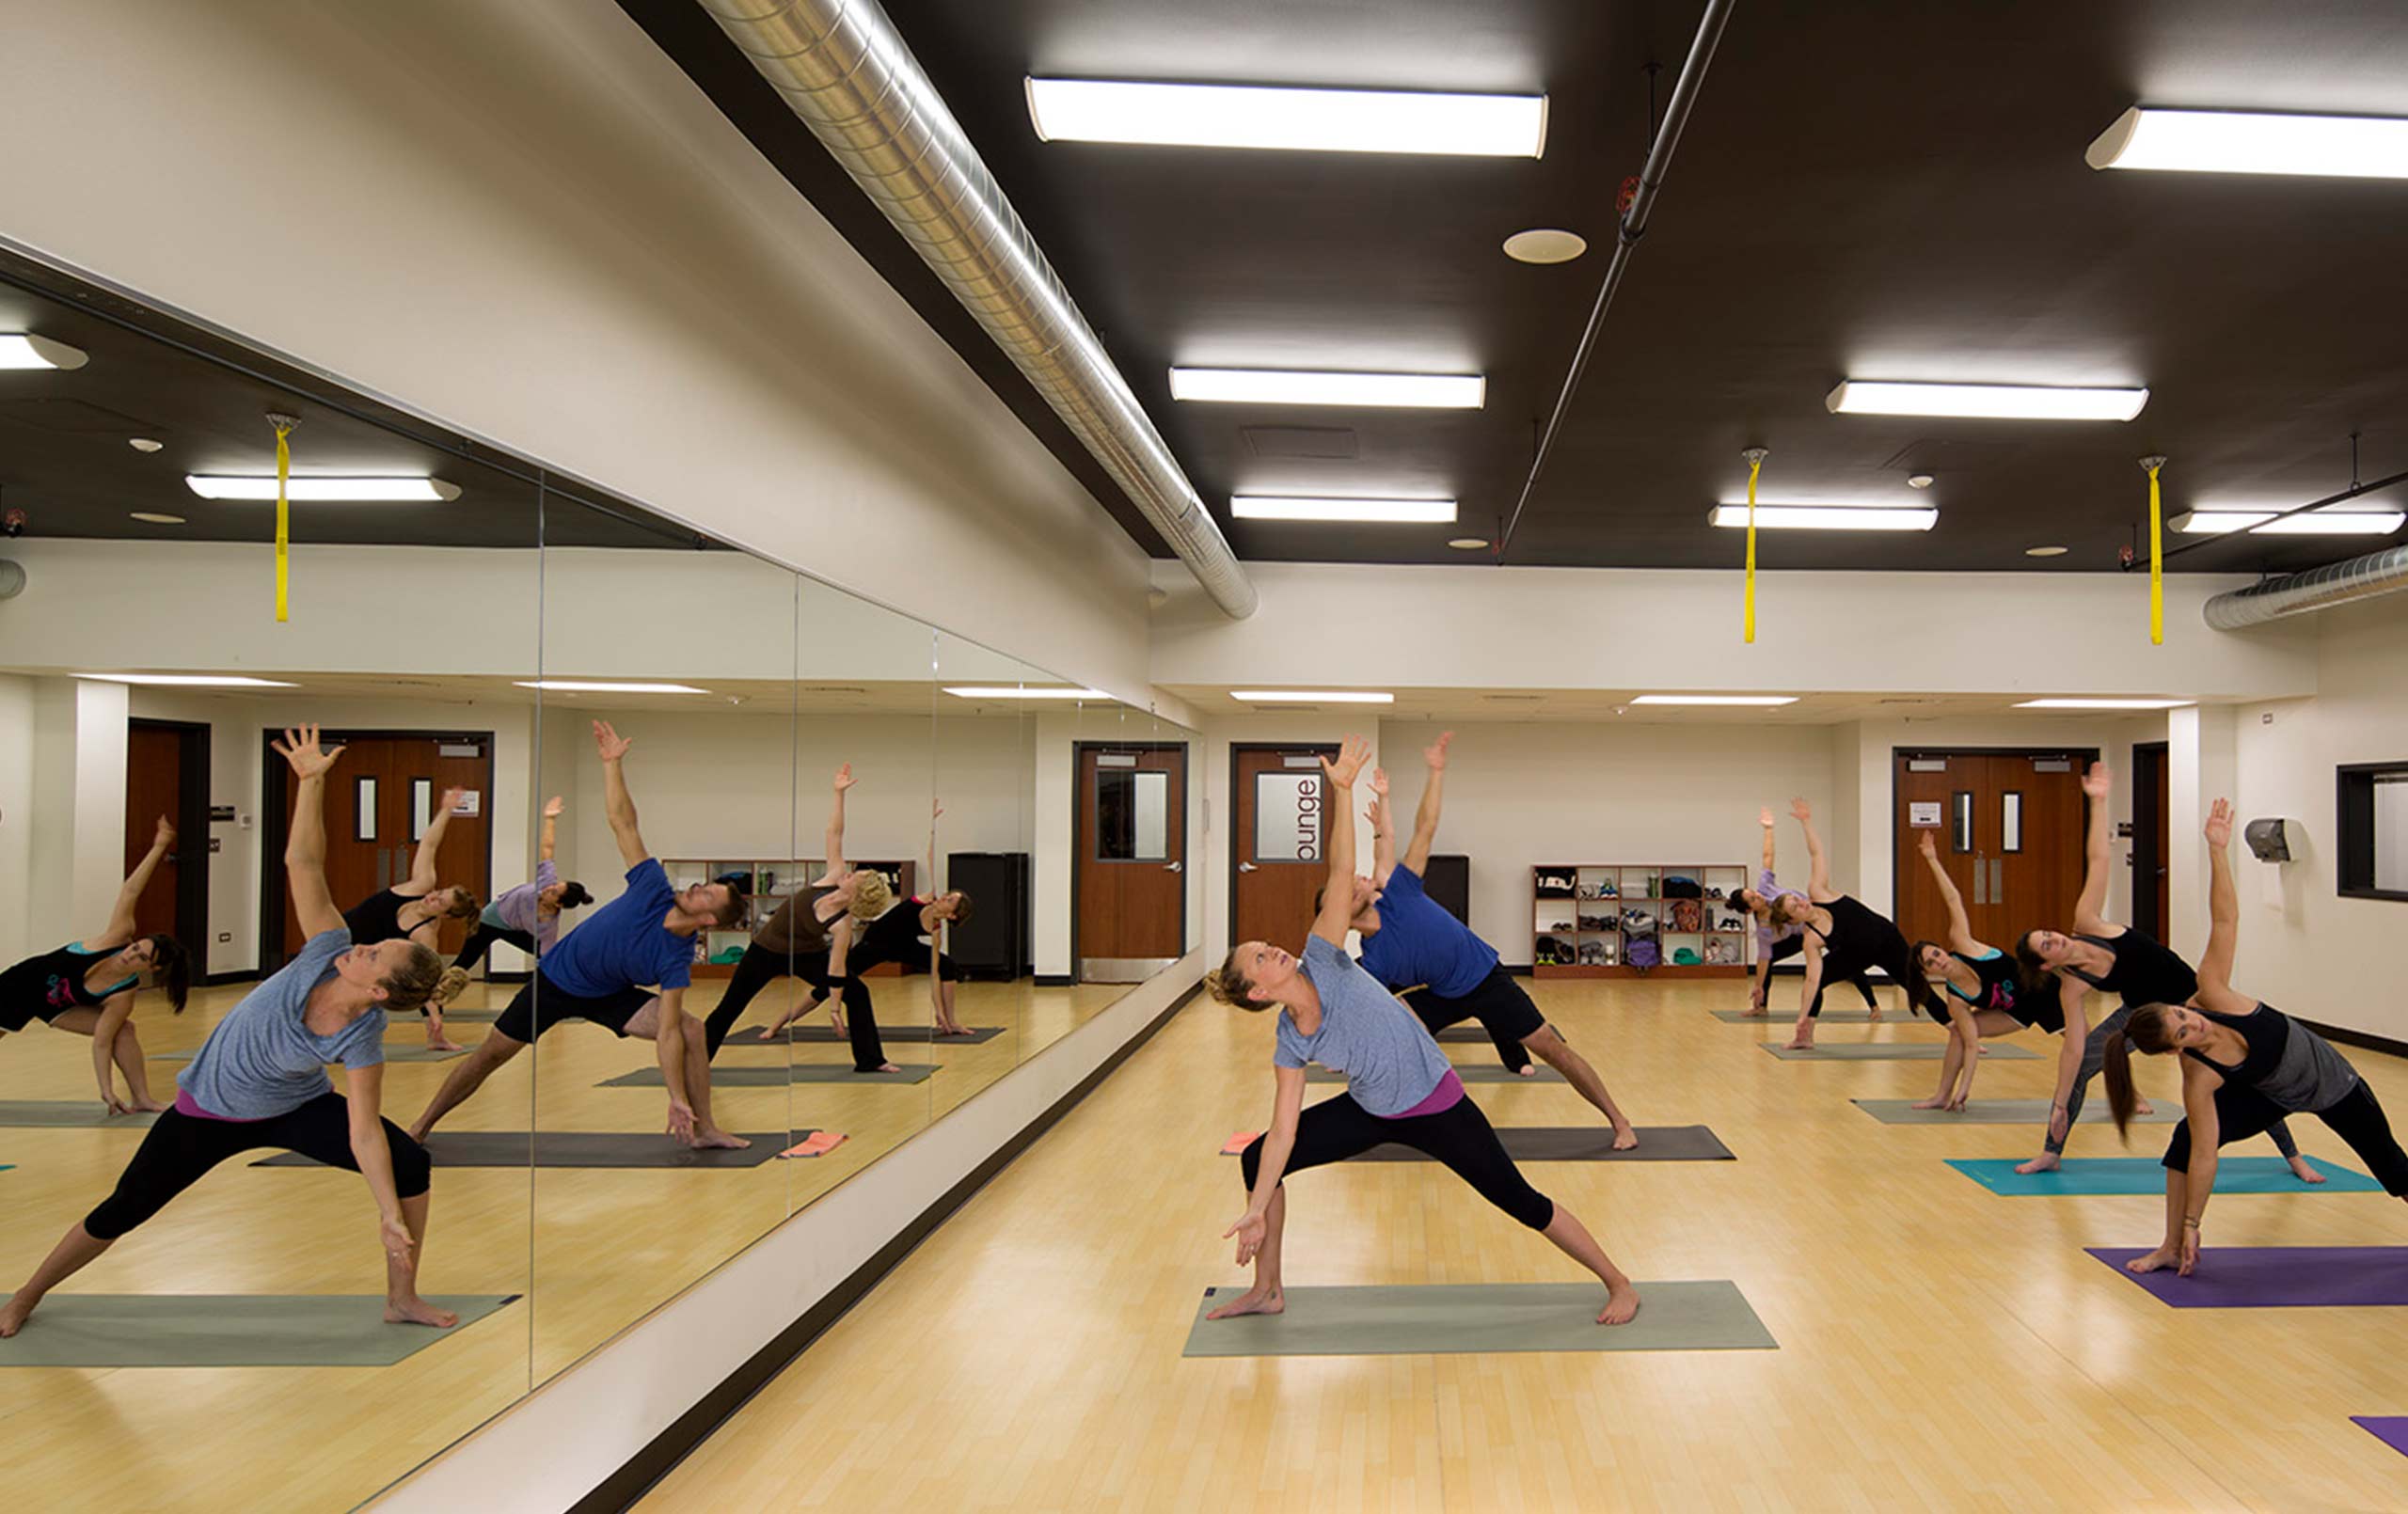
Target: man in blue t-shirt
pixel 1410 942
pixel 625 968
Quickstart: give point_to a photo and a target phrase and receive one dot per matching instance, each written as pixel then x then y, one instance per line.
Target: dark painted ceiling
pixel 1888 190
pixel 66 460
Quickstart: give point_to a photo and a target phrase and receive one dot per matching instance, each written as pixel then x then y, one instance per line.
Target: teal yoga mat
pixel 228 1330
pixel 1464 1318
pixel 799 1072
pixel 64 1114
pixel 2091 1175
pixel 1886 1052
pixel 2003 1111
pixel 1485 1072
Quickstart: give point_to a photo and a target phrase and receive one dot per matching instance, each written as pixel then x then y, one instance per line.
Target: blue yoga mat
pixel 2145 1174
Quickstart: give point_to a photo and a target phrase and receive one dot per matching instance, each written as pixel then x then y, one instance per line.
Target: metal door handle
pixel 1979 897
pixel 1998 880
pixel 1245 867
pixel 1174 867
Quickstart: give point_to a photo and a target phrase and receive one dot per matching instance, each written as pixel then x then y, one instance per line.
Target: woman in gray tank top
pixel 2245 1064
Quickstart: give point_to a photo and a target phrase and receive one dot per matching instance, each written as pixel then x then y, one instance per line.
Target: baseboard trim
pixel 2366 1039
pixel 1055 980
pixel 658 1459
pixel 219 980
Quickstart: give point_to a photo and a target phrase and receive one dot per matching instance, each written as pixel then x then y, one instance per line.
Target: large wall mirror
pixel 730 882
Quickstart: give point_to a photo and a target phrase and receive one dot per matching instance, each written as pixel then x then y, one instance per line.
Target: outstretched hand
pixel 1800 810
pixel 1436 753
pixel 453 799
pixel 607 741
pixel 165 835
pixel 1250 1230
pixel 552 808
pixel 1351 754
pixel 845 779
pixel 2097 783
pixel 1764 816
pixel 301 750
pixel 1928 846
pixel 1380 781
pixel 2218 828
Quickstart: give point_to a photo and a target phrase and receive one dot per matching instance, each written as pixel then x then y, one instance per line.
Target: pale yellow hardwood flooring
pixel 591 1250
pixel 1940 1348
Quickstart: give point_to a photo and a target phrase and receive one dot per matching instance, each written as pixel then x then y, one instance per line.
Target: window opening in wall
pixel 1132 815
pixel 422 806
pixel 2010 822
pixel 363 814
pixel 1287 815
pixel 1960 828
pixel 2372 815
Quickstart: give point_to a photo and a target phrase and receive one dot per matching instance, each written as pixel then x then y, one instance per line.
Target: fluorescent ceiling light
pixel 2105 704
pixel 1014 691
pixel 1994 402
pixel 23 349
pixel 189 680
pixel 2314 523
pixel 1315 120
pixel 1264 507
pixel 1830 517
pixel 581 686
pixel 2232 141
pixel 1252 386
pixel 1762 700
pixel 349 491
pixel 1298 695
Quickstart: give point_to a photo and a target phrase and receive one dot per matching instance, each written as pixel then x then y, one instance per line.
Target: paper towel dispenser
pixel 2270 841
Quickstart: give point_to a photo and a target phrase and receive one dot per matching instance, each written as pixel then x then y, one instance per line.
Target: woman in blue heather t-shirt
pixel 1398 1086
pixel 260 1080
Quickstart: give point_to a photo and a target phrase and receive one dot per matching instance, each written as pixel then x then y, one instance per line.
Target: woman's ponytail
pixel 2120 1098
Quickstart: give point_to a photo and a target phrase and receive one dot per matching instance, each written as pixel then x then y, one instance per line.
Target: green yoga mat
pixel 470 1016
pixel 1886 1052
pixel 392 1053
pixel 228 1330
pixel 579 1149
pixel 826 1036
pixel 1485 1072
pixel 799 1072
pixel 2002 1111
pixel 2092 1175
pixel 1464 1318
pixel 64 1114
pixel 1829 1016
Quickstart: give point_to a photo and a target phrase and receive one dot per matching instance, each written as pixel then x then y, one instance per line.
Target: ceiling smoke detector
pixel 1918 481
pixel 1546 244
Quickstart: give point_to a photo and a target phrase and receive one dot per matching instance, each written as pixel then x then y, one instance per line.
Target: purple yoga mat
pixel 2391 1429
pixel 2275 1277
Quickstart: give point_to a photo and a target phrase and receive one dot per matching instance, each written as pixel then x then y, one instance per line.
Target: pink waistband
pixel 1449 1093
pixel 186 1104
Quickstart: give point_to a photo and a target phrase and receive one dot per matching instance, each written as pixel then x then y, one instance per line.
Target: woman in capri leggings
pixel 1398 1086
pixel 260 1080
pixel 2245 1064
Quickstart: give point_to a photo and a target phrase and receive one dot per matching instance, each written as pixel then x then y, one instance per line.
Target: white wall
pixel 523 221
pixel 17 814
pixel 76 860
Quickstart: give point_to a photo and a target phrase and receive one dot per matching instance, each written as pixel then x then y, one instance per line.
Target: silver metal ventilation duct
pixel 2298 594
pixel 845 71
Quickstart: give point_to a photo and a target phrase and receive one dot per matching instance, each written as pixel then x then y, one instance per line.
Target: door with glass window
pixel 379 800
pixel 2008 827
pixel 1278 841
pixel 1129 919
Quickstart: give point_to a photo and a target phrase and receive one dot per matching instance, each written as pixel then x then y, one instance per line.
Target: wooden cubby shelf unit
pixel 1585 916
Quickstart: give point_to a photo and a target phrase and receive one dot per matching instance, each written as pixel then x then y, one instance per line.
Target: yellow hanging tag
pixel 1755 456
pixel 284 425
pixel 2156 555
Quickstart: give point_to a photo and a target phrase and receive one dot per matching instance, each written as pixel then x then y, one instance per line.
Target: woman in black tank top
pixel 1981 988
pixel 88 986
pixel 413 909
pixel 2114 959
pixel 1843 940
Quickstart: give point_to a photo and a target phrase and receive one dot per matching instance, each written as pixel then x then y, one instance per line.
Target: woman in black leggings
pixel 1843 940
pixel 2245 1064
pixel 1398 1086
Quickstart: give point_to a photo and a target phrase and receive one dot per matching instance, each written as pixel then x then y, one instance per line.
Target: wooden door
pixel 1278 842
pixel 1130 883
pixel 2008 827
pixel 167 773
pixel 379 798
pixel 2151 813
pixel 1932 798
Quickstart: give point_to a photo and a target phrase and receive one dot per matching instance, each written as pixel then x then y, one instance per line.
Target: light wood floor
pixel 1940 1348
pixel 591 1250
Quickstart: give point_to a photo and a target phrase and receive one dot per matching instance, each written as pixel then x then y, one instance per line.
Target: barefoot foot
pixel 2160 1257
pixel 2144 1107
pixel 417 1311
pixel 2306 1171
pixel 1621 1305
pixel 1935 1102
pixel 146 1106
pixel 12 1316
pixel 2044 1162
pixel 1253 1301
pixel 711 1137
pixel 1625 1139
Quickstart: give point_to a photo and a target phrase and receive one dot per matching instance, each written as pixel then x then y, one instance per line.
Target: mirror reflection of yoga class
pixel 465 907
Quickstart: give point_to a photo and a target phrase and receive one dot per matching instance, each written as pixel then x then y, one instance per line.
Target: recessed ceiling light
pixel 1546 244
pixel 2312 523
pixel 23 349
pixel 2105 704
pixel 1318 120
pixel 1015 691
pixel 188 680
pixel 581 686
pixel 1247 386
pixel 1265 507
pixel 2044 551
pixel 1991 402
pixel 144 443
pixel 2232 141
pixel 1298 695
pixel 156 518
pixel 324 490
pixel 1750 700
pixel 1918 481
pixel 1826 516
pixel 1467 543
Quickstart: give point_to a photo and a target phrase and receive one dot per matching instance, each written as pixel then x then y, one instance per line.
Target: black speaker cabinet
pixel 993 945
pixel 1448 879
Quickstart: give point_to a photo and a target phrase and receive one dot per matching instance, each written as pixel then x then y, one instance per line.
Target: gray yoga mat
pixel 470 1016
pixel 2003 1112
pixel 1459 1318
pixel 1485 1072
pixel 826 1036
pixel 74 1113
pixel 1585 1143
pixel 1887 1051
pixel 576 1148
pixel 1829 1016
pixel 392 1053
pixel 778 1076
pixel 228 1330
